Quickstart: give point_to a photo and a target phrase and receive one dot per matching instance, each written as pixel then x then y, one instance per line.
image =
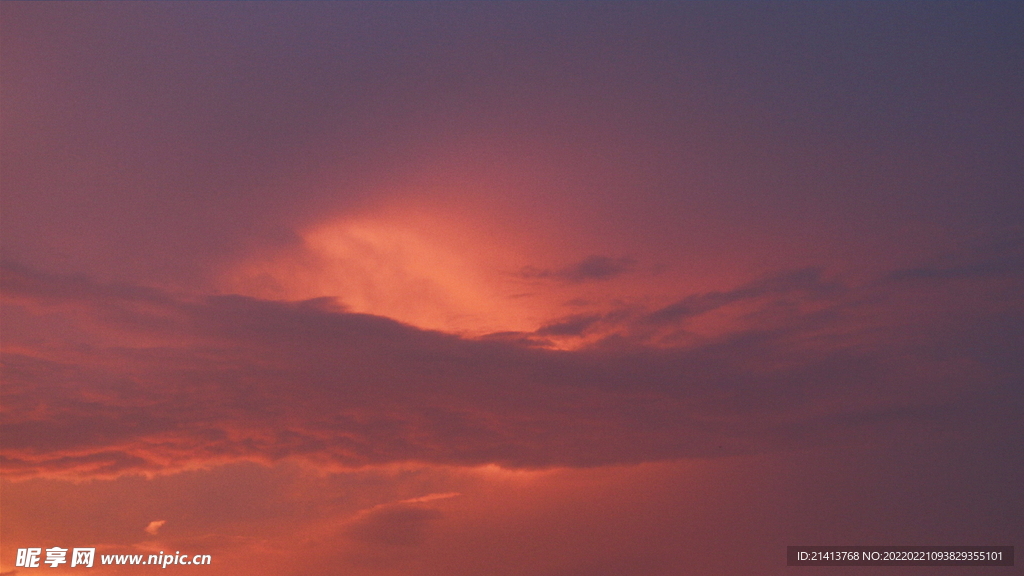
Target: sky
pixel 546 288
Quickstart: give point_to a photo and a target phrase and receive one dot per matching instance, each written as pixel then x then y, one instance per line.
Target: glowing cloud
pixel 155 526
pixel 385 268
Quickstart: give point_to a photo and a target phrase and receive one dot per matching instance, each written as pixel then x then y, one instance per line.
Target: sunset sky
pixel 525 288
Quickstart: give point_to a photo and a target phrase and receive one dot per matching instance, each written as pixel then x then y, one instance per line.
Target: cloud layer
pixel 141 380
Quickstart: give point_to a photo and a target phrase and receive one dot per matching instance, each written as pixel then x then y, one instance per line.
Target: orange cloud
pixel 154 526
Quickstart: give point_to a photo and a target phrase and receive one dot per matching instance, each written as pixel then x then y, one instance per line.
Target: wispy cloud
pixel 807 281
pixel 592 268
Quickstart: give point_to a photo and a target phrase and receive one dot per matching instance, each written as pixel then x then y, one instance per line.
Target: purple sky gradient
pixel 511 288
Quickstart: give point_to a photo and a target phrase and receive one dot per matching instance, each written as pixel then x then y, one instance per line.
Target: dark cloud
pixel 592 268
pixel 571 326
pixel 807 282
pixel 164 381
